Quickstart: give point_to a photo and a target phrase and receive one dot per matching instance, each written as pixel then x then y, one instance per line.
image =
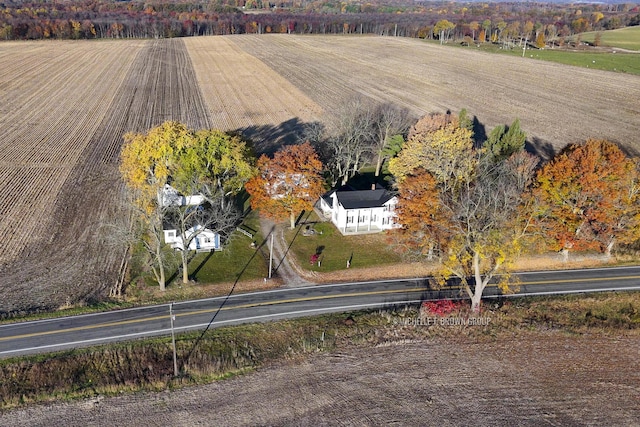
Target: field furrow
pixel 53 109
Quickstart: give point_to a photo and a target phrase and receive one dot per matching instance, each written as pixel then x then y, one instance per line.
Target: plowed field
pixel 64 107
pixel 532 379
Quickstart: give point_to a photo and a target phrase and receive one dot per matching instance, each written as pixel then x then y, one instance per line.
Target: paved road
pixel 70 332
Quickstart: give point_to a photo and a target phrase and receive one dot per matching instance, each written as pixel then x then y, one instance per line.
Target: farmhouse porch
pixel 359 211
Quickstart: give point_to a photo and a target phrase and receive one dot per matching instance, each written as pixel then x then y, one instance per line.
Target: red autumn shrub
pixel 441 307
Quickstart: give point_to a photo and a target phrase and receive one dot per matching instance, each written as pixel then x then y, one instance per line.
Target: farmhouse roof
pixel 360 199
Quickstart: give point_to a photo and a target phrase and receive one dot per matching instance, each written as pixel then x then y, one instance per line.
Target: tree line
pixel 472 202
pixel 89 19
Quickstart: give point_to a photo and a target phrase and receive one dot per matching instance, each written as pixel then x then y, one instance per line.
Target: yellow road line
pixel 302 299
pixel 209 310
pixel 293 300
pixel 594 279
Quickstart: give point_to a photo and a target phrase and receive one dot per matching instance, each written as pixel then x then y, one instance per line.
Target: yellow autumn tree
pixel 146 164
pixel 215 166
pixel 147 160
pixel 440 146
pixel 209 163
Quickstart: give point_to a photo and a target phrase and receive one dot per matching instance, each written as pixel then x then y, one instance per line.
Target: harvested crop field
pixel 529 379
pixel 64 107
pixel 556 104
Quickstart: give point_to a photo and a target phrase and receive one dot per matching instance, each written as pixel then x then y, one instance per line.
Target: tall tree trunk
pixel 609 248
pixel 161 276
pixel 479 284
pixel 379 164
pixel 292 219
pixel 185 266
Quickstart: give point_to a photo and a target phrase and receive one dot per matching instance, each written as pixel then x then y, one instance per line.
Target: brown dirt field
pixel 556 104
pixel 528 379
pixel 64 107
pixel 245 95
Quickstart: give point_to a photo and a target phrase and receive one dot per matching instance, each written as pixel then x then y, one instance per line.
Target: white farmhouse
pixel 200 240
pixel 204 241
pixel 171 197
pixel 360 211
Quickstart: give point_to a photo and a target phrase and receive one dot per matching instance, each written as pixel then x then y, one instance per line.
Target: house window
pixel 207 240
pixel 374 218
pixel 349 219
pixel 171 234
pixel 385 221
pixel 362 219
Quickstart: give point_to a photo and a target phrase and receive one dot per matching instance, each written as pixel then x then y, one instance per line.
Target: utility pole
pixel 173 341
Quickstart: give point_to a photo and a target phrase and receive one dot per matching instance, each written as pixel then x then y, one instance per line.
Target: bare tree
pixel 389 121
pixel 350 136
pixel 143 226
pixel 487 224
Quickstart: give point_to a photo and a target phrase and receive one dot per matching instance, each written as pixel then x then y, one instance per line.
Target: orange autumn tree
pixel 288 184
pixel 419 210
pixel 587 198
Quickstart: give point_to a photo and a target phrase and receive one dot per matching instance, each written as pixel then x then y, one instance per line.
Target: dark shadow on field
pixel 267 139
pixel 479 132
pixel 626 149
pixel 199 267
pixel 540 148
pixel 536 146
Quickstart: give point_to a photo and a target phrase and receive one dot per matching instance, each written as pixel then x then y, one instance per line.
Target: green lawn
pixel 236 258
pixel 620 62
pixel 335 249
pixel 624 38
pixel 617 62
